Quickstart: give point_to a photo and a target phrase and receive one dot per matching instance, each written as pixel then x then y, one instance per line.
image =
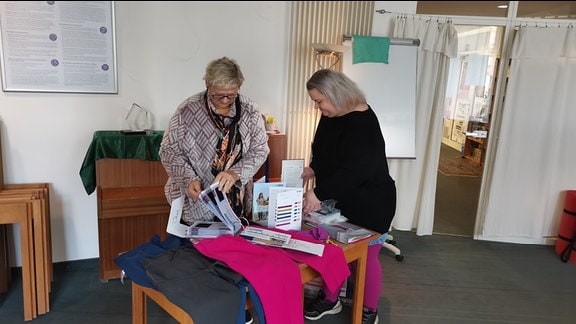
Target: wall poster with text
pixel 58 46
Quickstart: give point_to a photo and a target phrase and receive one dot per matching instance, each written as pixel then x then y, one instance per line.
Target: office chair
pixel 390 244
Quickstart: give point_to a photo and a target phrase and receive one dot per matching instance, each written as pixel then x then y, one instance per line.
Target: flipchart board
pixel 390 90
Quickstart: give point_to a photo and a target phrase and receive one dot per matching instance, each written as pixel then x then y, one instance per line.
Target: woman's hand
pixel 227 179
pixel 307 174
pixel 194 188
pixel 310 202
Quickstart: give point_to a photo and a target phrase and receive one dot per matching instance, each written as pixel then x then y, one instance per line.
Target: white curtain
pixel 416 179
pixel 535 161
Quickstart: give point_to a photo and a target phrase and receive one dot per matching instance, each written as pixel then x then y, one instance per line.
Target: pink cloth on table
pixel 275 277
pixel 274 274
pixel 332 266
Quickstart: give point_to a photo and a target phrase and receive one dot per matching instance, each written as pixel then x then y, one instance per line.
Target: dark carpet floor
pixel 456 200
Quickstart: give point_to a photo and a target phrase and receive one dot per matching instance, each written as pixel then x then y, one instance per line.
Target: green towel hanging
pixel 368 49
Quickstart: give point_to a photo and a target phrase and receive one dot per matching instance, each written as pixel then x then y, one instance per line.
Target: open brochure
pixel 269 237
pixel 218 204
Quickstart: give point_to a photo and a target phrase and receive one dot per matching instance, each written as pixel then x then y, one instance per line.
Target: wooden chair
pixel 20 213
pixel 37 199
pixel 28 205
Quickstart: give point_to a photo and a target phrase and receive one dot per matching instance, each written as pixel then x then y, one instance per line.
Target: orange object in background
pixel 566 243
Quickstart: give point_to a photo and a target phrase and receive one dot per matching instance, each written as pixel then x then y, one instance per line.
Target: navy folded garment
pixel 131 261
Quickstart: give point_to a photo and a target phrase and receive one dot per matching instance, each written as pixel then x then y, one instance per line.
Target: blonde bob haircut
pixel 225 73
pixel 336 86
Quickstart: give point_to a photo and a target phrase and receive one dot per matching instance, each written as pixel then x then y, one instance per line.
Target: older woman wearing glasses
pixel 216 135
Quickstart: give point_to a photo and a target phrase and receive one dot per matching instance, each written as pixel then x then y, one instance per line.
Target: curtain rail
pixel 393 41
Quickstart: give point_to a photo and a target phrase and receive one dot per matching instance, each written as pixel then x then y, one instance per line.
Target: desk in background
pixel 126 173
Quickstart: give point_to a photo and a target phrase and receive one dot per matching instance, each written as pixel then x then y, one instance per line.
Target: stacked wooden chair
pixel 28 205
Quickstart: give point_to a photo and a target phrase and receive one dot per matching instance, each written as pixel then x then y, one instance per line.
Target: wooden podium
pixel 129 181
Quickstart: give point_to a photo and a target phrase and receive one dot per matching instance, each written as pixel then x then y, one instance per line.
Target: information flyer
pixel 58 46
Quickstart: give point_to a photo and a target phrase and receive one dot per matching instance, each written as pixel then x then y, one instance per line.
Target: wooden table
pixel 355 252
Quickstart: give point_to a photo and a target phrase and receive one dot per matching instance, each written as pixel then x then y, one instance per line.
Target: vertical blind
pixel 316 22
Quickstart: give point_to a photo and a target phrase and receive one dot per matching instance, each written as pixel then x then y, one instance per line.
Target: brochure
pixel 261 200
pixel 285 208
pixel 270 237
pixel 218 204
pixel 291 172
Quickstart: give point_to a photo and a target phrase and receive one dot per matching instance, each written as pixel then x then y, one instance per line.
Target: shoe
pixel 249 319
pixel 320 307
pixel 369 316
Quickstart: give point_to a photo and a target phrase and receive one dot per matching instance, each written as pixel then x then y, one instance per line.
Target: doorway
pixel 466 127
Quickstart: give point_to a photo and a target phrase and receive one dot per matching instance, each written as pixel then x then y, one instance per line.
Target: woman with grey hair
pixel 349 165
pixel 216 135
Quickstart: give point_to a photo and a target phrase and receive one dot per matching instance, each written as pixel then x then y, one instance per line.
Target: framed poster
pixel 58 46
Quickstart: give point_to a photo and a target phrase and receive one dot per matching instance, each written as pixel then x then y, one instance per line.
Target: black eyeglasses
pixel 222 96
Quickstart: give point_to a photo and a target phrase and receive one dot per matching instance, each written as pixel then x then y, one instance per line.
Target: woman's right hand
pixel 194 189
pixel 307 174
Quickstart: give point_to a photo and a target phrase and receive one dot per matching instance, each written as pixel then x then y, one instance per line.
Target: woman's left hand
pixel 310 202
pixel 227 179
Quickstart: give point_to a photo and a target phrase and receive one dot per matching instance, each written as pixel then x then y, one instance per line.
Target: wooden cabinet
pixel 132 208
pixel 273 165
pixel 128 177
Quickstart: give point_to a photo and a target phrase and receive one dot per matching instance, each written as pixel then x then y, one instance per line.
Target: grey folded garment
pixel 205 288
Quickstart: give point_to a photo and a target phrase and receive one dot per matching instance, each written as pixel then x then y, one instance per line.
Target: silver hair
pixel 224 72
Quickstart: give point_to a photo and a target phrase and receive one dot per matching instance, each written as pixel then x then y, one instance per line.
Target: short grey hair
pixel 224 72
pixel 340 89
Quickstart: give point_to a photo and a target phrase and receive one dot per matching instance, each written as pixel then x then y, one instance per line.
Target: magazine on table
pixel 271 237
pixel 328 213
pixel 346 232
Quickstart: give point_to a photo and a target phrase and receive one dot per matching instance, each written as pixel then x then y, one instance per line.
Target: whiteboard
pixel 390 90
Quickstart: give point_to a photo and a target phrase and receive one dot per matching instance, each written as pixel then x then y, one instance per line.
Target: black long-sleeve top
pixel 349 162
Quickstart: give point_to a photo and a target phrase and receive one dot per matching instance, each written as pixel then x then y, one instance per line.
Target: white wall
pixel 162 51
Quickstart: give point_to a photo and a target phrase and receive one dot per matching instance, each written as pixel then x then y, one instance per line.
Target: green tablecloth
pixel 118 145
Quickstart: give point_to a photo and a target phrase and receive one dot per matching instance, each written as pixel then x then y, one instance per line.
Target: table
pixel 355 252
pixel 126 172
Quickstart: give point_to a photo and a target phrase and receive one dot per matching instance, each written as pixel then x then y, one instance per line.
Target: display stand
pixel 126 172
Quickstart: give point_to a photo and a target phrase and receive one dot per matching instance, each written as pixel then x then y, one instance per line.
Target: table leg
pixel 139 313
pixel 360 254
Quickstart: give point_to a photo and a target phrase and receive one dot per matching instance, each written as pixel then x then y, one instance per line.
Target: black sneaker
pixel 249 319
pixel 320 307
pixel 369 316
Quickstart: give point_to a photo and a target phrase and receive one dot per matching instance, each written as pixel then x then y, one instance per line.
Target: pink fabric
pixel 332 266
pixel 274 276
